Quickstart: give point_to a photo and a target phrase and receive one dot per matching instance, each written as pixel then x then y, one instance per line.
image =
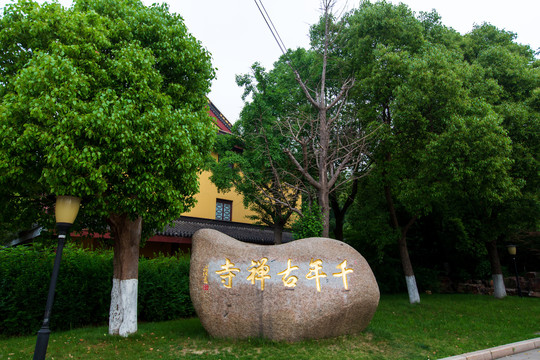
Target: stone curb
pixel 499 351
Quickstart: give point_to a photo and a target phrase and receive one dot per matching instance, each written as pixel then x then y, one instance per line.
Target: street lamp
pixel 512 251
pixel 66 210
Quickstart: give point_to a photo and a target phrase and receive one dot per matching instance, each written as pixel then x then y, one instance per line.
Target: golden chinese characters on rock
pixel 289 281
pixel 259 271
pixel 227 273
pixel 307 289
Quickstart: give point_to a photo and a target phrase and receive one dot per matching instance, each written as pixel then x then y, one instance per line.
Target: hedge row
pixel 83 291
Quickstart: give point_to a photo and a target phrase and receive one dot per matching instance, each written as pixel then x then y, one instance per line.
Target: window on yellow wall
pixel 223 210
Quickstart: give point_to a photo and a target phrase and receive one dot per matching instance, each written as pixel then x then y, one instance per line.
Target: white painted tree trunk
pixel 499 291
pixel 412 289
pixel 123 311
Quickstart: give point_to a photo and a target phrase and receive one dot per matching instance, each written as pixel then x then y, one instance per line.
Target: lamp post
pixel 66 210
pixel 512 251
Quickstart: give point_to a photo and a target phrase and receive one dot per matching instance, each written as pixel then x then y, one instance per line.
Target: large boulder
pixel 306 289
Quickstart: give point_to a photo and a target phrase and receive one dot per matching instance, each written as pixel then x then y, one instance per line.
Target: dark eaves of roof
pixel 219 115
pixel 186 226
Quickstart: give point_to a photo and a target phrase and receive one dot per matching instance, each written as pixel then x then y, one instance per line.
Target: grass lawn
pixel 442 325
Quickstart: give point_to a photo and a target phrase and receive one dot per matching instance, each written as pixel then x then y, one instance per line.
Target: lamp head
pixel 66 210
pixel 511 249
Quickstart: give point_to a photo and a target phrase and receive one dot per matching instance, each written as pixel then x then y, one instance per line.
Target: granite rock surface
pixel 307 289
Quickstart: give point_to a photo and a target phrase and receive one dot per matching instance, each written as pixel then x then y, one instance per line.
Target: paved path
pixel 523 350
pixel 533 354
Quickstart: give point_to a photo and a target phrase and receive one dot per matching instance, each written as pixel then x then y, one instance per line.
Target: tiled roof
pixel 223 123
pixel 256 234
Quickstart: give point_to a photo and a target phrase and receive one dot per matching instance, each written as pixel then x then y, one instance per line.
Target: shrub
pixel 17 304
pixel 83 291
pixel 427 279
pixel 310 224
pixel 84 288
pixel 164 288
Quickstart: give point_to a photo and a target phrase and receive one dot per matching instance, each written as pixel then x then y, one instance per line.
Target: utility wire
pixel 271 26
pixel 281 45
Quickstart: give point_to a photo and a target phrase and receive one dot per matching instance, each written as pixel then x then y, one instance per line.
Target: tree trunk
pixel 499 291
pixel 278 234
pixel 324 135
pixel 412 289
pixel 339 213
pixel 123 310
pixel 339 216
pixel 325 210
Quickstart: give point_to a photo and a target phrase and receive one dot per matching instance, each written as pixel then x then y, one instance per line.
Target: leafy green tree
pixel 514 75
pixel 105 101
pixel 469 168
pixel 251 160
pixel 413 81
pixel 379 41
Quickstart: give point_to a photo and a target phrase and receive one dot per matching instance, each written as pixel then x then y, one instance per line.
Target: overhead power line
pixel 271 26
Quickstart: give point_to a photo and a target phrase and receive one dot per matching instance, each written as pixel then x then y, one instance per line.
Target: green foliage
pixel 368 230
pixel 84 288
pixel 457 140
pixel 459 130
pixel 82 292
pixel 310 224
pixel 164 288
pixel 427 279
pixel 105 101
pixel 309 137
pixel 473 160
pixel 512 67
pixel 261 171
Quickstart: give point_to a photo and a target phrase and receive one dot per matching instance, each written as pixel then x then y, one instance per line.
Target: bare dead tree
pixel 326 145
pixel 329 144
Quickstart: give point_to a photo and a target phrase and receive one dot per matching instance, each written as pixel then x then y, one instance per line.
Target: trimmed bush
pixel 164 288
pixel 83 291
pixel 84 288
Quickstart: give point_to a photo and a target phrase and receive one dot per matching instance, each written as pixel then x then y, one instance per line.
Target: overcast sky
pixel 236 35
